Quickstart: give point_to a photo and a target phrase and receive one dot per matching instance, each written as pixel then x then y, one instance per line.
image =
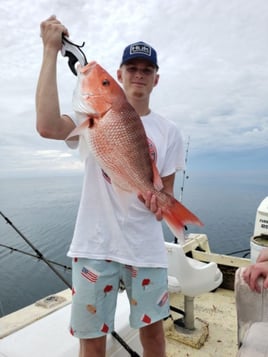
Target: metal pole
pixel 189 312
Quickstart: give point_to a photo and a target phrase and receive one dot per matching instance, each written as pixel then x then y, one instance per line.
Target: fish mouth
pixel 91 95
pixel 87 68
pixel 87 95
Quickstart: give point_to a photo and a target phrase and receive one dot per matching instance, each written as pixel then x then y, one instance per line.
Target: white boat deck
pixel 217 309
pixel 49 336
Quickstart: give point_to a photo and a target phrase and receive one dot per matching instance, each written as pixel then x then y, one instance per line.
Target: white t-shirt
pixel 131 235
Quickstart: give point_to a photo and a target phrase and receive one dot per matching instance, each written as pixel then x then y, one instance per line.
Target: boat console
pixel 259 240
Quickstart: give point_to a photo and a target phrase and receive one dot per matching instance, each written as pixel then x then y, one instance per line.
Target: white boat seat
pixel 190 277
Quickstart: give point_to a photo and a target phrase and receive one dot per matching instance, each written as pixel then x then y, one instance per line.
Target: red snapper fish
pixel 114 134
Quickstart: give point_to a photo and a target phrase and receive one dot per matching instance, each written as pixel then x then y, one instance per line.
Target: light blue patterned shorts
pixel 95 289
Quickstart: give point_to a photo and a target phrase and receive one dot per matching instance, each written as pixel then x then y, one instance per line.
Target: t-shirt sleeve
pixel 72 143
pixel 175 157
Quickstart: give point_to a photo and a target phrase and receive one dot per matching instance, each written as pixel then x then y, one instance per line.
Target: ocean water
pixel 44 210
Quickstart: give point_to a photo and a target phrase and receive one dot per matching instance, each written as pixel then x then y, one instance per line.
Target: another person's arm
pixel 254 271
pixel 263 256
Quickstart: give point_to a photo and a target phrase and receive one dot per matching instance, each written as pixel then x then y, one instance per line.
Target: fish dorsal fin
pixel 157 181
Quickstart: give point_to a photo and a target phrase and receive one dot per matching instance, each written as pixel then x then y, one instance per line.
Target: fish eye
pixel 105 82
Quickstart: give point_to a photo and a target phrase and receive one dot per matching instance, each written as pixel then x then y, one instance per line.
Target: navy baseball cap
pixel 140 50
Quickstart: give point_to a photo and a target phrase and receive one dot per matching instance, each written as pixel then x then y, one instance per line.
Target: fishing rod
pixel 184 176
pixel 12 249
pixel 39 255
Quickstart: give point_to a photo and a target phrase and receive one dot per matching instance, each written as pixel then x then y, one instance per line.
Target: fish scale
pixel 118 146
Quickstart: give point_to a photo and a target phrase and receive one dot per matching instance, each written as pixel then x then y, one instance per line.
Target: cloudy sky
pixel 213 58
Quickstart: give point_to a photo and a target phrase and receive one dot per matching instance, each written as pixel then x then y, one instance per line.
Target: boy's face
pixel 138 78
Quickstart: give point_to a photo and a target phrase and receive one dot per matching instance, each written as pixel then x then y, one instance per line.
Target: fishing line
pixel 12 249
pixel 246 251
pixel 38 253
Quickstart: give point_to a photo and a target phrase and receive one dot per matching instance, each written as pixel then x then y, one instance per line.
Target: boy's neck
pixel 141 106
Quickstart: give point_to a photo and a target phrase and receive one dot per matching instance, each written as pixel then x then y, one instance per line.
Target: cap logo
pixel 140 48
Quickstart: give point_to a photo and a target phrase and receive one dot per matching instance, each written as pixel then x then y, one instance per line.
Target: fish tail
pixel 177 216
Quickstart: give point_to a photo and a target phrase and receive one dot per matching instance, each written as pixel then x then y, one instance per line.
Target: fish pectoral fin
pixel 157 181
pixel 177 216
pixel 87 124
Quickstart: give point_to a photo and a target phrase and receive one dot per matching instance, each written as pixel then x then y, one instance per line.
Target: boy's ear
pixel 119 75
pixel 156 80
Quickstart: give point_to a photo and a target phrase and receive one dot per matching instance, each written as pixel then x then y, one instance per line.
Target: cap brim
pixel 133 57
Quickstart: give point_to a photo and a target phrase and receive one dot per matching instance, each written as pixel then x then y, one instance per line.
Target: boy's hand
pixel 150 202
